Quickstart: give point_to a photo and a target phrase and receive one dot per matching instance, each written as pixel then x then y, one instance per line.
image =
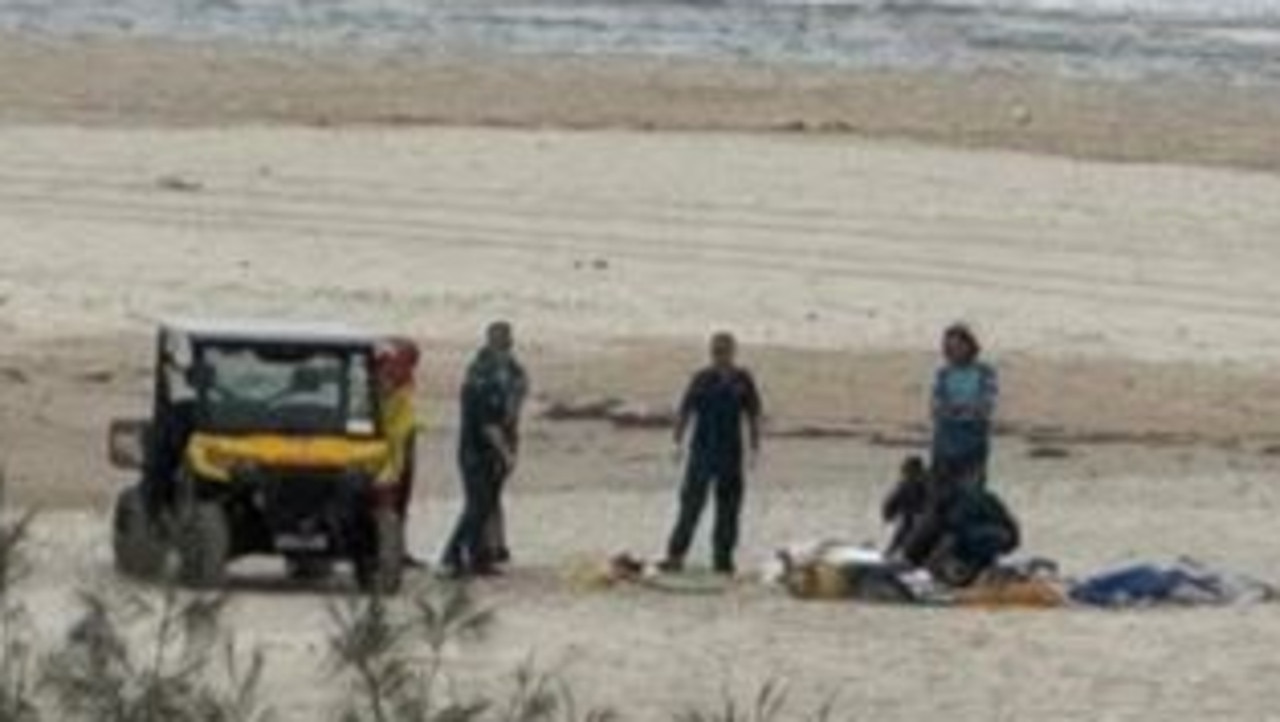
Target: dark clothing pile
pixel 1186 583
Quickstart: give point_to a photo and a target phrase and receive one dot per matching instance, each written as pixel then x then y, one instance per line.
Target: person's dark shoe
pixel 501 555
pixel 726 569
pixel 487 570
pixel 412 562
pixel 671 566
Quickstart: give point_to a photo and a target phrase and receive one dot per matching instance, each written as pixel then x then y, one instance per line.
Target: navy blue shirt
pixel 720 400
pixel 482 407
pixel 491 396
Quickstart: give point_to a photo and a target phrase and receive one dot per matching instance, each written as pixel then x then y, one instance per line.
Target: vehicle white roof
pixel 261 331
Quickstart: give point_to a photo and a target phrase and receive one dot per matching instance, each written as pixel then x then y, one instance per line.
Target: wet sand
pixel 123 81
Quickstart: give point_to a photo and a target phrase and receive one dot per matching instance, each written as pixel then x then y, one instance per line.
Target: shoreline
pixel 125 82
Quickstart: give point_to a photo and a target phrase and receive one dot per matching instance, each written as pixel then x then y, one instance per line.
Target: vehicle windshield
pixel 285 389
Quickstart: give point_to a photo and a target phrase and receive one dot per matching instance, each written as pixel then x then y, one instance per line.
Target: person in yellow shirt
pixel 394 366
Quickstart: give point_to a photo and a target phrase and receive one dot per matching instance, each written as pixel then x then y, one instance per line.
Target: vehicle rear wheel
pixel 380 570
pixel 204 545
pixel 139 547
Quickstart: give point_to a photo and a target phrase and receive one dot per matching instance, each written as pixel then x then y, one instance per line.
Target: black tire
pixel 204 545
pixel 137 542
pixel 380 571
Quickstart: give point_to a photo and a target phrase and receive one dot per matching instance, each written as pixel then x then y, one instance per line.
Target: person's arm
pixel 686 411
pixel 492 412
pixel 895 504
pixel 515 409
pixel 496 435
pixel 520 386
pixel 939 396
pixel 755 411
pixel 497 438
pixel 990 393
pixel 982 405
pixel 978 405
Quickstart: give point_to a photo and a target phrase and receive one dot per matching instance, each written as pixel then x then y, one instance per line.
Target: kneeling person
pixel 956 531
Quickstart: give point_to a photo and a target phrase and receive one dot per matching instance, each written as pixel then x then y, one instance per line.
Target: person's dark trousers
pixel 701 477
pixel 961 451
pixel 496 550
pixel 967 469
pixel 481 480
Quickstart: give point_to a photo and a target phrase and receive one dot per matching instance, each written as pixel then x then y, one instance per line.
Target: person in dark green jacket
pixel 957 531
pixel 490 400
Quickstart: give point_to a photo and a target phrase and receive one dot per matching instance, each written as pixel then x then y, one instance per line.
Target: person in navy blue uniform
pixel 723 405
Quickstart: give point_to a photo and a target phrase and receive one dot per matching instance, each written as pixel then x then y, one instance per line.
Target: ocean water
pixel 1229 41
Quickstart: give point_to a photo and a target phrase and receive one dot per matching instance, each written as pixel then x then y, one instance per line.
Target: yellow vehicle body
pixel 327 479
pixel 215 458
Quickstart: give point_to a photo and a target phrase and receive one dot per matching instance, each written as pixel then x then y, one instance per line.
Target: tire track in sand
pixel 318 219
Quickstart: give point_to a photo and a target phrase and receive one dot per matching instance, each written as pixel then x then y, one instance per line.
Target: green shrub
pixel 140 655
pixel 17 678
pixel 770 704
pixel 398 671
pixel 134 658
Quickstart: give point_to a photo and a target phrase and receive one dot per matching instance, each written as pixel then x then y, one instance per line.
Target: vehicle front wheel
pixel 204 545
pixel 139 547
pixel 380 570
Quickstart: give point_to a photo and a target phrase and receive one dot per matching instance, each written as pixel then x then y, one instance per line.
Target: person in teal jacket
pixel 965 392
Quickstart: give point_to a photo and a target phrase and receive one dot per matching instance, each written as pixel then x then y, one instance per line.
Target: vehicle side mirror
pixel 127 443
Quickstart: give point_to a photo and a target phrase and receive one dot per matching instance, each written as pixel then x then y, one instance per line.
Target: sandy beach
pixel 1129 305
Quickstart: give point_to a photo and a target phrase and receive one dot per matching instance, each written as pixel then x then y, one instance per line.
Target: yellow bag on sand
pixel 818 580
pixel 590 574
pixel 825 580
pixel 1028 593
pixel 594 573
